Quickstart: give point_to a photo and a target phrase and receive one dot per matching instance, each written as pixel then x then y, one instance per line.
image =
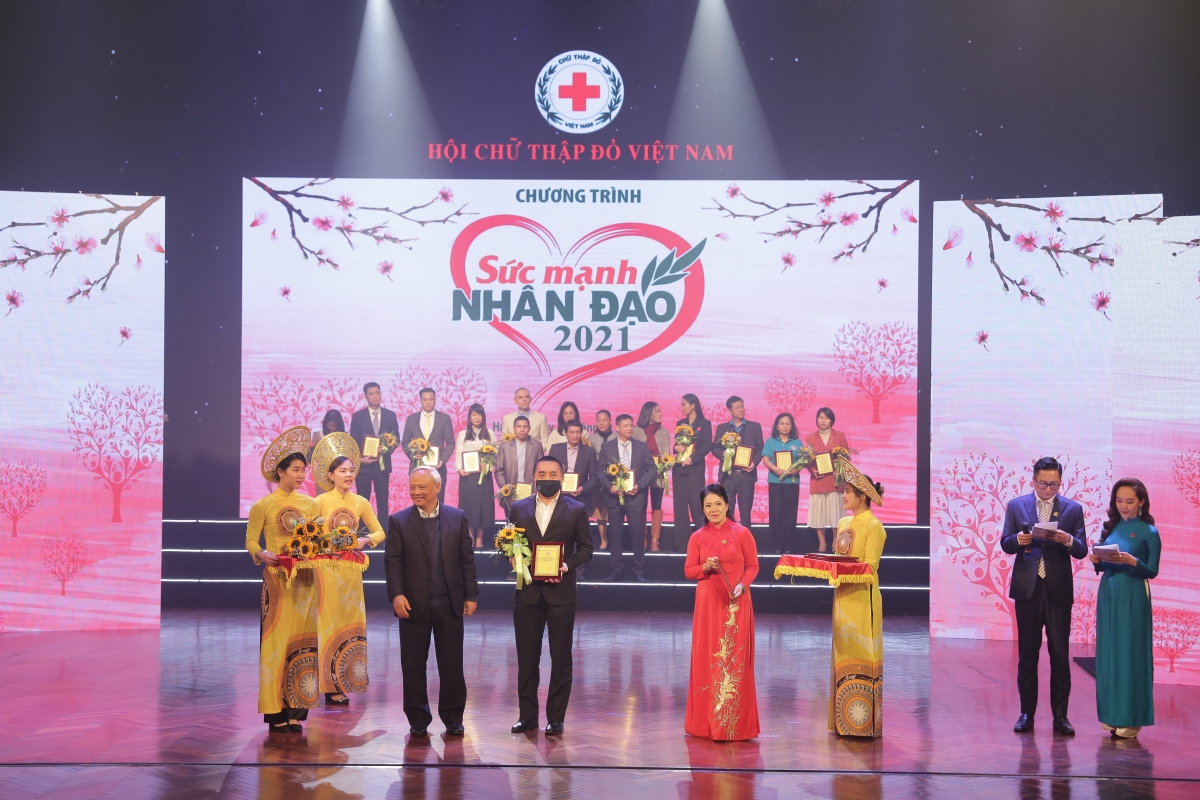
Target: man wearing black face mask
pixel 548 516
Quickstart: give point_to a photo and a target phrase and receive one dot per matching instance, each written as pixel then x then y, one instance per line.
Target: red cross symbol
pixel 579 91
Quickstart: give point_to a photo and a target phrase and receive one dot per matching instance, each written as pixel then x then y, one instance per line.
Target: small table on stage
pixel 835 569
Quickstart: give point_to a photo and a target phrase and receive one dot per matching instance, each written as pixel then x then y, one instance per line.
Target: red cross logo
pixel 579 91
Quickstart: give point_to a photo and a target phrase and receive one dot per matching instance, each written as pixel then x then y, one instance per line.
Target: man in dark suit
pixel 434 427
pixel 516 460
pixel 374 420
pixel 578 458
pixel 739 483
pixel 431 582
pixel 548 516
pixel 1043 588
pixel 635 457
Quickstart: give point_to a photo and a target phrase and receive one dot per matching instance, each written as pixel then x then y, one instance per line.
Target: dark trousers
pixel 633 513
pixel 370 475
pixel 686 491
pixel 446 628
pixel 529 622
pixel 782 500
pixel 740 488
pixel 1032 615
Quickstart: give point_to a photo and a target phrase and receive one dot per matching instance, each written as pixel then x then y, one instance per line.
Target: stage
pixel 172 714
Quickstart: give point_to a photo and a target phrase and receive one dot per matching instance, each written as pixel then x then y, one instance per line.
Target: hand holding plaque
pixel 431 457
pixel 470 460
pixel 370 447
pixel 742 457
pixel 547 561
pixel 570 482
pixel 524 490
pixel 824 464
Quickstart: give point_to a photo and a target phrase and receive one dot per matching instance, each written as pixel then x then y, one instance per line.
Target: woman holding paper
pixel 1124 625
pixel 476 494
pixel 824 497
pixel 781 455
pixel 721 556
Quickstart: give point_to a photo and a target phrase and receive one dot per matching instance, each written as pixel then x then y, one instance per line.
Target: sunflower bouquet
pixel 730 442
pixel 342 539
pixel 507 437
pixel 417 448
pixel 800 460
pixel 620 475
pixel 684 435
pixel 387 445
pixel 306 540
pixel 664 464
pixel 511 543
pixel 841 457
pixel 487 460
pixel 505 496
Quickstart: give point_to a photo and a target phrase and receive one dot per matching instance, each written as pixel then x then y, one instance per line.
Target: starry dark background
pixel 184 98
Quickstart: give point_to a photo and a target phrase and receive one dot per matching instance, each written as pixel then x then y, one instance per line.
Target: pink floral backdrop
pixel 81 424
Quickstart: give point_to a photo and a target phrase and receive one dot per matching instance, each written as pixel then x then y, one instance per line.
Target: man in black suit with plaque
pixel 430 567
pixel 1043 588
pixel 740 482
pixel 548 516
pixel 635 457
pixel 435 427
pixel 374 471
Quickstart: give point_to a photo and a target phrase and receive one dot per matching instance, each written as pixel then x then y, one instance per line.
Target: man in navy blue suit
pixel 635 457
pixel 1043 588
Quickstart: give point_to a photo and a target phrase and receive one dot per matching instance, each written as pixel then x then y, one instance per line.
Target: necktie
pixel 572 453
pixel 427 424
pixel 375 421
pixel 1043 516
pixel 625 462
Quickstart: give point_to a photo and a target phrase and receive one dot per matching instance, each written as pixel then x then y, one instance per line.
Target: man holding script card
pixel 739 483
pixel 436 428
pixel 1043 587
pixel 559 535
pixel 626 496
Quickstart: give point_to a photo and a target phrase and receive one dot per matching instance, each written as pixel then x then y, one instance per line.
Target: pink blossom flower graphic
pixel 954 238
pixel 138 265
pixel 125 335
pixel 895 230
pixel 1100 301
pixel 788 260
pixel 345 203
pixel 346 225
pixel 907 215
pixel 84 246
pixel 981 339
pixel 274 235
pixel 59 218
pixel 286 293
pixel 1054 212
pixel 14 300
pixel 970 259
pixel 724 237
pixel 733 190
pixel 58 247
pixel 154 243
pixel 259 218
pixel 1055 244
pixel 827 199
pixel 385 269
pixel 848 218
pixel 1026 242
pixel 883 284
pixel 323 223
pixel 445 195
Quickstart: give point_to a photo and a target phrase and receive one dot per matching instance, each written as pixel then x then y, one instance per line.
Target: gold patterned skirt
pixel 341 630
pixel 287 675
pixel 856 664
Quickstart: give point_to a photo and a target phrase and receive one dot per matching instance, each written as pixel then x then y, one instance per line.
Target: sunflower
pixel 325 544
pixel 668 460
pixel 306 549
pixel 488 448
pixel 310 529
pixel 389 440
pixel 294 543
pixel 508 437
pixel 614 470
pixel 685 430
pixel 507 490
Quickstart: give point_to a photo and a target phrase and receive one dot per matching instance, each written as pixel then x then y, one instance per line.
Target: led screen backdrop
pixel 1156 418
pixel 793 295
pixel 81 410
pixel 1021 367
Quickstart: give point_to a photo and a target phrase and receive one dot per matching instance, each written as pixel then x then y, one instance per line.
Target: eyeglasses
pixel 1048 485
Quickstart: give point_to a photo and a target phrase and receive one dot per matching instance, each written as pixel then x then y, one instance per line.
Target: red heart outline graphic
pixel 689 310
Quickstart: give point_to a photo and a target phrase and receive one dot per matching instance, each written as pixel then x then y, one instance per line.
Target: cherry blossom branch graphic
pixel 349 226
pixel 1094 252
pixel 56 248
pixel 825 219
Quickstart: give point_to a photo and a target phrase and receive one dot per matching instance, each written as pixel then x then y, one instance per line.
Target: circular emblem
pixel 579 92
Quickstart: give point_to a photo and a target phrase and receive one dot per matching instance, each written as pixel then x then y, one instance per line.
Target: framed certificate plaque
pixel 431 458
pixel 471 461
pixel 824 464
pixel 547 557
pixel 783 459
pixel 742 457
pixel 371 446
pixel 524 490
pixel 570 482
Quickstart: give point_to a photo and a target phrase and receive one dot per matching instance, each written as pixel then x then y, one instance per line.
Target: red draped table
pixel 836 571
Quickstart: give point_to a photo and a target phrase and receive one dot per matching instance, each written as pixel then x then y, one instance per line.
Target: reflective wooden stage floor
pixel 172 714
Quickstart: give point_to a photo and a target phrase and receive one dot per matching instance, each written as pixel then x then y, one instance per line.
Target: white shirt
pixel 544 511
pixel 436 509
pixel 426 424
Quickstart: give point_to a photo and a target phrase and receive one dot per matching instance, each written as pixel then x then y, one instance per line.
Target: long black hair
pixel 1114 516
pixel 333 415
pixel 775 427
pixel 484 434
pixel 286 462
pixel 717 489
pixel 644 416
pixel 695 401
pixel 562 423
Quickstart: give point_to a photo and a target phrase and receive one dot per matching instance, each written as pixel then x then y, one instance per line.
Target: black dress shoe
pixel 295 727
pixel 415 731
pixel 455 730
pixel 330 701
pixel 554 729
pixel 524 726
pixel 1024 724
pixel 1063 725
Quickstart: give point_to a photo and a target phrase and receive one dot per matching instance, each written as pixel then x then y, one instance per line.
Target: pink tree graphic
pixel 1083 617
pixel 793 395
pixel 277 404
pixel 117 435
pixel 456 387
pixel 876 360
pixel 1187 476
pixel 1175 631
pixel 63 557
pixel 22 484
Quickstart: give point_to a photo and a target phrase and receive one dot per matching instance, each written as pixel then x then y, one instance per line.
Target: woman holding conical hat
pixel 287 678
pixel 856 666
pixel 342 616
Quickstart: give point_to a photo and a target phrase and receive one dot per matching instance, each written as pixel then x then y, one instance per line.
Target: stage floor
pixel 171 713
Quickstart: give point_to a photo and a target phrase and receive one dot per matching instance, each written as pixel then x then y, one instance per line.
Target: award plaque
pixel 371 447
pixel 742 457
pixel 431 458
pixel 471 461
pixel 524 490
pixel 547 558
pixel 783 459
pixel 824 462
pixel 627 482
pixel 570 482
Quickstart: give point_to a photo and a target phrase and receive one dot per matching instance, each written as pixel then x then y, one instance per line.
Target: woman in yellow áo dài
pixel 287 676
pixel 342 615
pixel 856 666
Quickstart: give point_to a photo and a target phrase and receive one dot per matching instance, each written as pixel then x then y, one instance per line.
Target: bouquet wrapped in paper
pixel 511 543
pixel 417 449
pixel 505 497
pixel 620 475
pixel 387 446
pixel 684 436
pixel 664 464
pixel 730 442
pixel 487 460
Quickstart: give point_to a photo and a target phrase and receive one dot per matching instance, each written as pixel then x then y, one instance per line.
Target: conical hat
pixel 329 448
pixel 860 482
pixel 293 440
